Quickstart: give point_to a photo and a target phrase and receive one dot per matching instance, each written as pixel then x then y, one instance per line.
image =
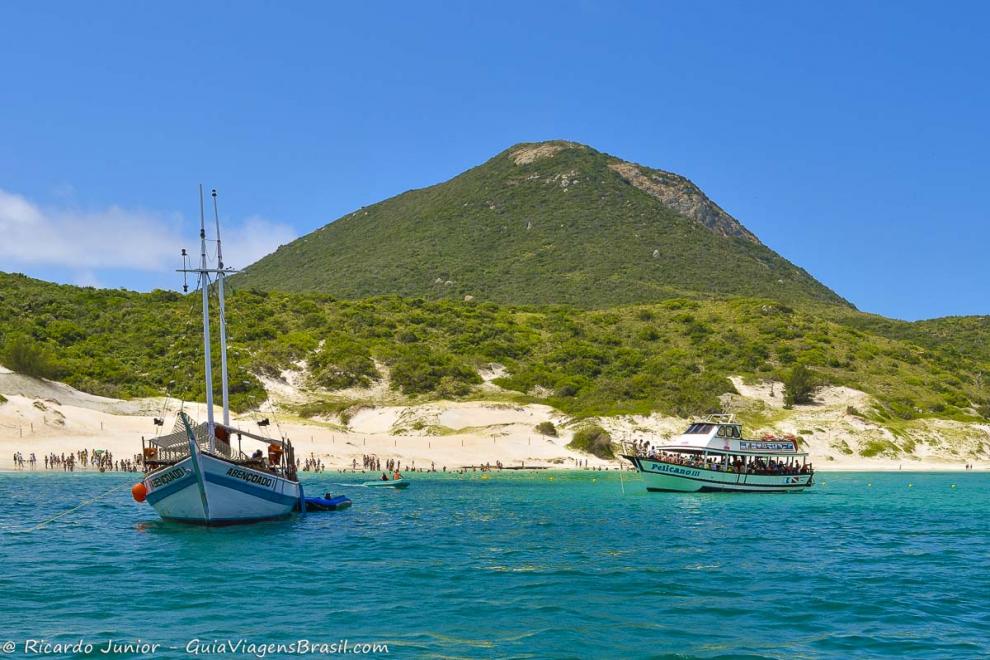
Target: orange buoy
pixel 139 491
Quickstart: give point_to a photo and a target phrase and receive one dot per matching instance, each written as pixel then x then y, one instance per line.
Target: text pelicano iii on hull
pixel 712 456
pixel 197 474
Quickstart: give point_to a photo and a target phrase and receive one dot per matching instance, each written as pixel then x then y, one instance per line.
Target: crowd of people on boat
pixel 723 463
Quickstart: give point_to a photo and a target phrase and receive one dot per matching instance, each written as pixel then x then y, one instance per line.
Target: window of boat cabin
pixel 700 428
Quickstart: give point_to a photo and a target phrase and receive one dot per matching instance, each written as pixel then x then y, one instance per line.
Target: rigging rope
pixel 271 407
pixel 75 508
pixel 181 387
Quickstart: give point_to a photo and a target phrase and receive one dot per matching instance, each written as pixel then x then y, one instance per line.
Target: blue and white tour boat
pixel 199 473
pixel 712 455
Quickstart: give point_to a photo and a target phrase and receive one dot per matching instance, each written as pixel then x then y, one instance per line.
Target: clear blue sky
pixel 851 137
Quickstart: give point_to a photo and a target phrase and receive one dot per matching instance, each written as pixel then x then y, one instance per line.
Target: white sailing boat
pixel 196 474
pixel 711 455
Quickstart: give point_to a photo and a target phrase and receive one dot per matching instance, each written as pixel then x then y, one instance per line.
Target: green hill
pixel 552 222
pixel 674 356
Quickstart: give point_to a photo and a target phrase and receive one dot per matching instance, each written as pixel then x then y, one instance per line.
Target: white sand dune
pixel 47 417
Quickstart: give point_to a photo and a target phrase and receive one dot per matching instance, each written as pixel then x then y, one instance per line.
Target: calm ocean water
pixel 520 565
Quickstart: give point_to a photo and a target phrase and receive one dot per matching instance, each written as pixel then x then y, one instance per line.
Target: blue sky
pixel 851 137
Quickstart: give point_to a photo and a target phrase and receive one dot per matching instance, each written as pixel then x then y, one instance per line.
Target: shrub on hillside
pixel 594 440
pixel 568 389
pixel 648 333
pixel 417 370
pixel 25 356
pixel 879 447
pixel 450 387
pixel 799 385
pixel 547 428
pixel 343 363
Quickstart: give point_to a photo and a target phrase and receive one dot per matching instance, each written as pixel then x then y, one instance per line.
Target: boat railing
pixel 718 418
pixel 226 443
pixel 174 447
pixel 700 462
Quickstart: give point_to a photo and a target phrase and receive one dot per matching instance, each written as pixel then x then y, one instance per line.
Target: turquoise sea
pixel 517 565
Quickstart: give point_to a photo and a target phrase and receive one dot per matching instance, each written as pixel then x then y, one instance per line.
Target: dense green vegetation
pixel 121 343
pixel 964 336
pixel 673 356
pixel 566 228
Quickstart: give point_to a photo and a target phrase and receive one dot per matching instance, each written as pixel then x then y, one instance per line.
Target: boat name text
pixel 251 477
pixel 674 469
pixel 786 445
pixel 168 477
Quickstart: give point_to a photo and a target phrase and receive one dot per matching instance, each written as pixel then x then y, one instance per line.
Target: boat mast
pixel 223 318
pixel 204 281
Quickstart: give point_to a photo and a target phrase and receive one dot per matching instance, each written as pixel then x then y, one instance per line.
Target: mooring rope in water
pixel 75 508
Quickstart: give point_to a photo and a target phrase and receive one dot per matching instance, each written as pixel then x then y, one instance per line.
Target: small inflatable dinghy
pixel 395 483
pixel 327 503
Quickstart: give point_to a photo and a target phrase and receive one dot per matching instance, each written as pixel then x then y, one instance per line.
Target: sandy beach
pixel 45 417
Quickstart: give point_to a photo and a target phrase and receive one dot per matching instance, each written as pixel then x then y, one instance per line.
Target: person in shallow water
pixel 384 477
pixel 396 476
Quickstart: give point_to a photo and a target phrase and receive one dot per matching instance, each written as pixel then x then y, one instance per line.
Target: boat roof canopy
pixel 733 452
pixel 178 438
pixel 722 434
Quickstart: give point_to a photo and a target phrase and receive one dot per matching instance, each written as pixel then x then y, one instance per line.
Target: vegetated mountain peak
pixel 525 153
pixel 544 222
